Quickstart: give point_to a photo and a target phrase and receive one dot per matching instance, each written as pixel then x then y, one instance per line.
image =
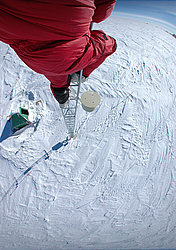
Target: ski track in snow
pixel 114 186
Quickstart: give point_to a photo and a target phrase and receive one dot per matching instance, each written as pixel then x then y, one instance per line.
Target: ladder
pixel 70 109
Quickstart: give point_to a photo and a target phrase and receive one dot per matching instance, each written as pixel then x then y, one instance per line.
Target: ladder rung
pixel 69 112
pixel 74 85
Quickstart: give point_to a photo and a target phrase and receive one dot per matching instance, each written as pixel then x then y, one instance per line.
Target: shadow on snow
pixel 45 156
pixel 7 131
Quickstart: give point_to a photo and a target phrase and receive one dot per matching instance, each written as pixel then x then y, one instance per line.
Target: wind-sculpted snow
pixel 114 186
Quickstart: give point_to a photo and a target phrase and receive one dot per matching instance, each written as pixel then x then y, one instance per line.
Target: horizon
pixel 162 13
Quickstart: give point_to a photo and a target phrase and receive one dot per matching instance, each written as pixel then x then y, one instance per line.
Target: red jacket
pixel 48 35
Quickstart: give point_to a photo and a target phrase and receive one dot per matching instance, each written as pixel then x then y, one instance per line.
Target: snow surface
pixel 114 187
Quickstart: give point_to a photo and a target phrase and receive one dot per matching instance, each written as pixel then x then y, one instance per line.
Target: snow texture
pixel 114 187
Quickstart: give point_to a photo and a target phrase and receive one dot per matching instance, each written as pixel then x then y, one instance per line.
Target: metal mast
pixel 69 111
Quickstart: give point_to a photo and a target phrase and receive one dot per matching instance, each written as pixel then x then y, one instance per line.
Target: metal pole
pixel 69 111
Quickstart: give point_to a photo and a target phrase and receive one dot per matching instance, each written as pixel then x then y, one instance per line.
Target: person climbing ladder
pixel 54 37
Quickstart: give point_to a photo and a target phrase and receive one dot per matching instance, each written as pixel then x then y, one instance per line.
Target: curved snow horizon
pixel 168 26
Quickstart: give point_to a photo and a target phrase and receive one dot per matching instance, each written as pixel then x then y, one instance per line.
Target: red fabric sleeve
pixel 103 10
